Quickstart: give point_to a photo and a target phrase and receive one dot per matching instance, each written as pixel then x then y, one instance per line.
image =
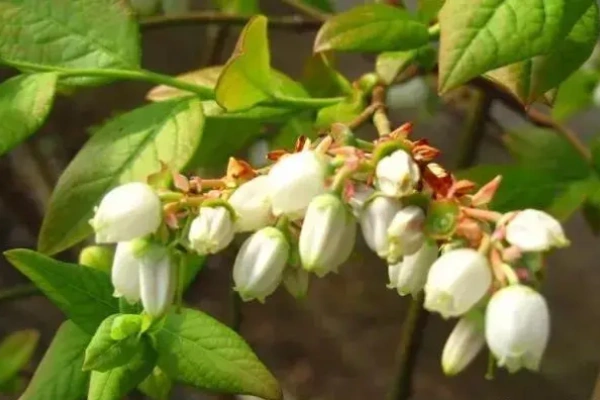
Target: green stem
pixel 434 31
pixel 303 102
pixel 134 75
pixel 18 292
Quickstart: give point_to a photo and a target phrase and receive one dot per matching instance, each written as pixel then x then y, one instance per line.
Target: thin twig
pixel 17 292
pixel 308 10
pixel 295 22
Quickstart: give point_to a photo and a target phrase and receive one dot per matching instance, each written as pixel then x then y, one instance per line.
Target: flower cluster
pixel 302 213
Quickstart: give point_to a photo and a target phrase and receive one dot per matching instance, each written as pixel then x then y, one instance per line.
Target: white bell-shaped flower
pixel 157 281
pixel 252 205
pixel 125 272
pixel 456 282
pixel 464 343
pixel 397 174
pixel 295 180
pixel 534 230
pixel 375 220
pixel 259 265
pixel 359 197
pixel 327 236
pixel 409 275
pixel 517 326
pixel 212 230
pixel 127 212
pixel 405 233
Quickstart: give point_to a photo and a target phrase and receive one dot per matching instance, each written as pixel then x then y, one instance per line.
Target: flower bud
pixel 456 282
pixel 375 220
pixel 397 174
pixel 533 230
pixel 296 281
pixel 127 212
pixel 212 230
pixel 327 235
pixel 405 233
pixel 294 180
pixel 97 257
pixel 157 283
pixel 252 205
pixel 463 345
pixel 517 326
pixel 409 275
pixel 259 264
pixel 125 273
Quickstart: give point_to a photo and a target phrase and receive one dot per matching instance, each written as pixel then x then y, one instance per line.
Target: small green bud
pixel 97 257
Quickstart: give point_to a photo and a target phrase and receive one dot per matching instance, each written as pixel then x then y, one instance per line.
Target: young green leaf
pixel 206 77
pixel 198 350
pixel 481 35
pixel 427 10
pixel 105 353
pixel 127 148
pixel 16 351
pixel 300 125
pixel 83 294
pixel 246 78
pixel 575 94
pixel 115 383
pixel 326 6
pixel 157 385
pixel 343 112
pixel 531 79
pixel 392 63
pixel 97 257
pixel 59 375
pixel 373 28
pixel 25 101
pixel 71 34
pixel 321 79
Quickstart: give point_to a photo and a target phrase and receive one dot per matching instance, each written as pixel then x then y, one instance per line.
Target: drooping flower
pixel 409 275
pixel 260 263
pixel 375 220
pixel 127 212
pixel 397 174
pixel 327 236
pixel 157 283
pixel 464 343
pixel 294 181
pixel 534 230
pixel 212 230
pixel 456 282
pixel 405 233
pixel 252 205
pixel 517 327
pixel 125 272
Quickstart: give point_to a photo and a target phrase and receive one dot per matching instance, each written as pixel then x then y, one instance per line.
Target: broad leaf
pixel 70 34
pixel 531 79
pixel 16 351
pixel 198 350
pixel 157 385
pixel 193 264
pixel 116 383
pixel 25 101
pixel 59 375
pixel 127 148
pixel 105 353
pixel 428 9
pixel 206 77
pixel 321 79
pixel 83 294
pixel 246 79
pixel 390 64
pixel 343 112
pixel 374 28
pixel 575 94
pixel 481 35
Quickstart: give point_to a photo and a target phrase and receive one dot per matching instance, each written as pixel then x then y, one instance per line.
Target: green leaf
pixel 105 353
pixel 575 94
pixel 428 10
pixel 25 101
pixel 321 79
pixel 206 77
pixel 193 264
pixel 71 34
pixel 246 78
pixel 591 208
pixel 127 148
pixel 481 35
pixel 59 375
pixel 16 351
pixel 301 125
pixel 392 63
pixel 531 79
pixel 373 28
pixel 116 383
pixel 198 350
pixel 326 6
pixel 83 294
pixel 157 385
pixel 240 7
pixel 343 112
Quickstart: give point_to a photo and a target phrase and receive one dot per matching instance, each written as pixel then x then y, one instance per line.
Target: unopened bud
pixel 125 274
pixel 252 205
pixel 259 264
pixel 534 230
pixel 405 233
pixel 294 181
pixel 517 326
pixel 463 345
pixel 375 220
pixel 327 236
pixel 296 281
pixel 97 257
pixel 359 197
pixel 456 282
pixel 127 212
pixel 157 283
pixel 409 275
pixel 212 230
pixel 397 174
